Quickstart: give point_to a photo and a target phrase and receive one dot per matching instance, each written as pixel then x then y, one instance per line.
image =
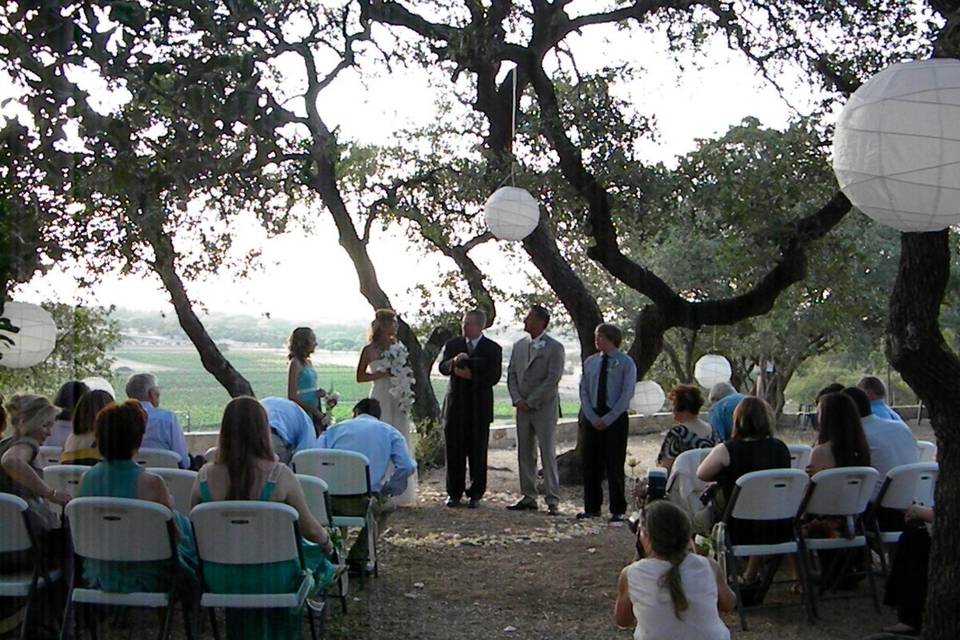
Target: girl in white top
pixel 671 593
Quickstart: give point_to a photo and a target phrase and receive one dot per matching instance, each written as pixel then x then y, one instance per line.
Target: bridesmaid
pixel 302 385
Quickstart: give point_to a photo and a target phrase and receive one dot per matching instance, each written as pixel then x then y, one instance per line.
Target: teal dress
pixel 119 479
pixel 307 386
pixel 274 577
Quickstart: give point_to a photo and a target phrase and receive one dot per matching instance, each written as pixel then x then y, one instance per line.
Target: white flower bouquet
pixel 394 361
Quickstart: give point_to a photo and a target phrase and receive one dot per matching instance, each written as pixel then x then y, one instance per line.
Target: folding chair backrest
pixel 180 485
pixel 13 526
pixel 120 529
pixel 65 478
pixel 158 458
pixel 926 451
pixel 346 473
pixel 843 491
pixel 47 456
pixel 318 499
pixel 799 456
pixel 772 494
pixel 210 454
pixel 909 483
pixel 244 532
pixel 683 481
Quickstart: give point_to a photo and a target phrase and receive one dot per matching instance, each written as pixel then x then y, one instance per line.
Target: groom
pixel 474 364
pixel 536 366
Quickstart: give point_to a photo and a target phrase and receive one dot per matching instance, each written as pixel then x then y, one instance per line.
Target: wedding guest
pixel 66 398
pixel 302 386
pixel 163 428
pixel 689 432
pixel 606 387
pixel 877 393
pixel 667 571
pixel 907 583
pixel 841 441
pixel 246 469
pixel 291 429
pixel 119 431
pixel 723 400
pixel 81 446
pixel 533 377
pixel 473 363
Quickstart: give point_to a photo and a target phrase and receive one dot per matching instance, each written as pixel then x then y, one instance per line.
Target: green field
pixel 187 388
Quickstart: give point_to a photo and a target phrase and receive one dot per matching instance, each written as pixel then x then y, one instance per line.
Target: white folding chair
pixel 16 536
pixel 210 454
pixel 926 451
pixel 65 478
pixel 772 494
pixel 180 485
pixel 799 456
pixel 905 485
pixel 347 474
pixel 124 530
pixel 157 458
pixel 843 492
pixel 683 485
pixel 249 532
pixel 47 456
pixel 318 500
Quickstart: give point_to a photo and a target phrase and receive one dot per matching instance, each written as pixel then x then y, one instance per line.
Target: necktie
pixel 470 347
pixel 602 386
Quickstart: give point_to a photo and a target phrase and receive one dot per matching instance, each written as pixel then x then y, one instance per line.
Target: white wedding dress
pixel 394 416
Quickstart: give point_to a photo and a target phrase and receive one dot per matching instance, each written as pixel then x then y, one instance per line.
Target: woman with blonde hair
pixel 670 592
pixel 302 385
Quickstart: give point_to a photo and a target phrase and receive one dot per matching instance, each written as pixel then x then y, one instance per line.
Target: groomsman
pixel 536 366
pixel 474 364
pixel 606 386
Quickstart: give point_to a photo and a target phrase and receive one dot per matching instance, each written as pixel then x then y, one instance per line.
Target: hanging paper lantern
pixel 511 213
pixel 35 340
pixel 711 369
pixel 96 383
pixel 647 398
pixel 896 150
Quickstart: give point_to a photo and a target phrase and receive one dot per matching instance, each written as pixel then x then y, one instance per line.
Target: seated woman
pixel 246 469
pixel 66 399
pixel 118 429
pixel 670 592
pixel 31 418
pixel 907 582
pixel 689 432
pixel 751 447
pixel 841 441
pixel 81 447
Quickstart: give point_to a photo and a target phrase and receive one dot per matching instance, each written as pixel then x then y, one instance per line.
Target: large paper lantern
pixel 896 150
pixel 711 369
pixel 35 340
pixel 647 398
pixel 511 213
pixel 96 383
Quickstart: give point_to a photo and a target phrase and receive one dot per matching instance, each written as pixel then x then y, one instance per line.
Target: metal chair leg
pixel 868 567
pixel 734 578
pixel 213 623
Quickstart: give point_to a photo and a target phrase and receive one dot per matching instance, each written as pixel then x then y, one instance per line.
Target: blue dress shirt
pixel 381 443
pixel 721 415
pixel 621 381
pixel 881 409
pixel 290 423
pixel 164 432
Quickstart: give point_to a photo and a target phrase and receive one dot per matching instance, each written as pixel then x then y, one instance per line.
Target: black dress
pixel 747 456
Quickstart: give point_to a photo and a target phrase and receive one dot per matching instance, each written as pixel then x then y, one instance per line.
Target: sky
pixel 307 277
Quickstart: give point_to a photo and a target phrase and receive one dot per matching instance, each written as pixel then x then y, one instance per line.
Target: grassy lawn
pixel 188 389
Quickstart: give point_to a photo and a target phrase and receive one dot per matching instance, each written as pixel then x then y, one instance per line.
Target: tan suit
pixel 533 376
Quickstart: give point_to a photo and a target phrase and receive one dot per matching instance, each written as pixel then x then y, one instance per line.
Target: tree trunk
pixel 916 348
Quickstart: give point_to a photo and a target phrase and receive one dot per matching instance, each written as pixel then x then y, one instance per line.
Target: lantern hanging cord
pixel 513 130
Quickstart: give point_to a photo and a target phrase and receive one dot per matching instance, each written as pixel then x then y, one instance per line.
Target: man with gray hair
pixel 163 428
pixel 876 394
pixel 724 399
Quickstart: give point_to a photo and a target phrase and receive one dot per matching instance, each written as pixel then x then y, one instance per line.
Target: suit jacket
pixel 471 401
pixel 534 374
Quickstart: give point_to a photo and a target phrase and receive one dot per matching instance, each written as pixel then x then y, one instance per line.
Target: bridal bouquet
pixel 394 361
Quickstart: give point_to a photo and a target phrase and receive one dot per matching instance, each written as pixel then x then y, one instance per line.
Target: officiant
pixel 473 363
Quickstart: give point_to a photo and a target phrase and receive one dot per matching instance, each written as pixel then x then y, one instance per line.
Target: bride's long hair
pixel 381 318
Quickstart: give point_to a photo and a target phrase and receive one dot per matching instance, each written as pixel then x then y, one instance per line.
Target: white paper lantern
pixel 511 213
pixel 647 398
pixel 896 151
pixel 96 383
pixel 35 340
pixel 711 369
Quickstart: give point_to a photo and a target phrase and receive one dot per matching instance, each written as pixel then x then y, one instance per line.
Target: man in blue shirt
pixel 382 444
pixel 876 392
pixel 163 428
pixel 606 388
pixel 724 399
pixel 291 428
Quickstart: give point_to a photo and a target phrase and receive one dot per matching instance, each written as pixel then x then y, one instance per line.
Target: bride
pixel 373 367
